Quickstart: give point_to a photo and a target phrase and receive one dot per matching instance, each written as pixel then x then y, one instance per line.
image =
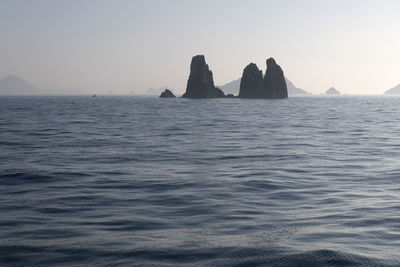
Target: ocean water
pixel 136 181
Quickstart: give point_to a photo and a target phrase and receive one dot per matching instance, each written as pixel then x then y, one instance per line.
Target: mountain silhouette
pixel 233 88
pixel 293 90
pixel 14 85
pixel 393 91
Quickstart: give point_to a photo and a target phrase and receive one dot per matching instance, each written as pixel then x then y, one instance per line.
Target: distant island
pixel 332 91
pixel 293 90
pixel 233 88
pixel 393 91
pixel 13 85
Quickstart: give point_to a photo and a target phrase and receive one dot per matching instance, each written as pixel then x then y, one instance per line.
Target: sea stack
pixel 274 81
pixel 273 85
pixel 251 84
pixel 167 94
pixel 201 83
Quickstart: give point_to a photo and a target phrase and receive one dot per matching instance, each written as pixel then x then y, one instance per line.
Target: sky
pixel 127 46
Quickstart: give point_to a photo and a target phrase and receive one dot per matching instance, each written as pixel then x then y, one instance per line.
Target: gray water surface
pixel 306 181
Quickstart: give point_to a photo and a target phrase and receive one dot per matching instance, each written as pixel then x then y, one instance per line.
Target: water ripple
pixel 124 181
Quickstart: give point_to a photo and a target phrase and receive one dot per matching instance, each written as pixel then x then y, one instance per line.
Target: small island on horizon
pixel 332 91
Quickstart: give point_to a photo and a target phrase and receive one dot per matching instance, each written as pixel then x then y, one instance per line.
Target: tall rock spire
pixel 251 84
pixel 200 83
pixel 274 81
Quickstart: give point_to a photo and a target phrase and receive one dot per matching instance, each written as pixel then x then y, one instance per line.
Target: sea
pixel 143 181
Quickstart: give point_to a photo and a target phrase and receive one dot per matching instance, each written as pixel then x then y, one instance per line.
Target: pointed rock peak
pixel 271 62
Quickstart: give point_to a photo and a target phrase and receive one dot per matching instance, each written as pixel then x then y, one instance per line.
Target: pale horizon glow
pixel 128 46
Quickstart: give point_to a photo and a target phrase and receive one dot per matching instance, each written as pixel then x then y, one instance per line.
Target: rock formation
pixel 167 94
pixel 274 81
pixel 200 83
pixel 273 85
pixel 219 92
pixel 332 91
pixel 157 91
pixel 251 84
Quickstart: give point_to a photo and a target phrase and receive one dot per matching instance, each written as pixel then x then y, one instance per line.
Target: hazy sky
pixel 131 45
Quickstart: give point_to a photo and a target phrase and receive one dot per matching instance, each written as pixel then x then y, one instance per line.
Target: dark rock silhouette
pixel 332 91
pixel 229 96
pixel 167 94
pixel 251 84
pixel 219 92
pixel 156 91
pixel 274 81
pixel 200 83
